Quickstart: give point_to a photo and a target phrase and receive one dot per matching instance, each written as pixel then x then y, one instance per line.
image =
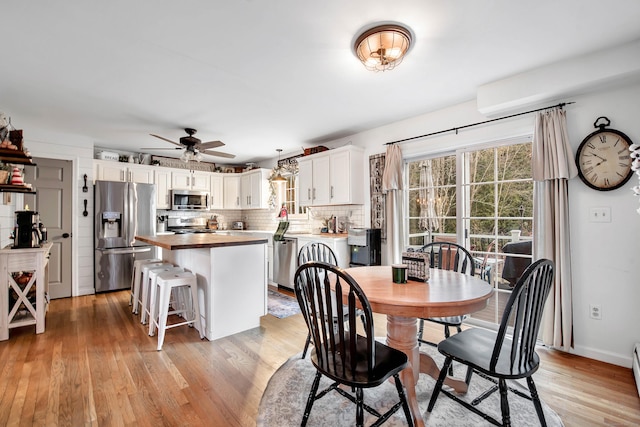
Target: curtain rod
pixel 456 129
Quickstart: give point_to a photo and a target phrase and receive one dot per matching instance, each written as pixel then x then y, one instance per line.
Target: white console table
pixel 24 284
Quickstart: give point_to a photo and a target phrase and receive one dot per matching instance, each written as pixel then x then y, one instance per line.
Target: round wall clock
pixel 603 158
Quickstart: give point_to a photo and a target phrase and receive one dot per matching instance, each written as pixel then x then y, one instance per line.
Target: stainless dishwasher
pixel 285 260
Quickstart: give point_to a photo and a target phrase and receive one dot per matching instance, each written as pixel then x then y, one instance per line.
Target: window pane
pixel 514 162
pixel 515 199
pixel 481 165
pixel 482 200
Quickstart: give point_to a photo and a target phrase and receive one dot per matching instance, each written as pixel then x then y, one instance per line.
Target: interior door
pixel 52 180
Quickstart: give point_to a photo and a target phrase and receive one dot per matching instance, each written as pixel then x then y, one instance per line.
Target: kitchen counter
pixel 231 273
pixel 320 236
pixel 198 240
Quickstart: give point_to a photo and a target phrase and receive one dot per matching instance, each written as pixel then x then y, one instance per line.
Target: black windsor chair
pixel 339 353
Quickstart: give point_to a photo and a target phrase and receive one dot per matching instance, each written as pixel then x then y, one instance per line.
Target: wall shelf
pixel 15 156
pixel 8 188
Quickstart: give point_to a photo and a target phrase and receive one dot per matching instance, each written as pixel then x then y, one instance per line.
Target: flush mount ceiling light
pixel 383 47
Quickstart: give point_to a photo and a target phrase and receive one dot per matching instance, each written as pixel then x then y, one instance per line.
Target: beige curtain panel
pixel 552 167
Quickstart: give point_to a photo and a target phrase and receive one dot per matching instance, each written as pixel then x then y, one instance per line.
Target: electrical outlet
pixel 600 214
pixel 595 311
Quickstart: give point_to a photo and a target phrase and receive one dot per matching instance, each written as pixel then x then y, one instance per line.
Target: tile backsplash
pixel 267 220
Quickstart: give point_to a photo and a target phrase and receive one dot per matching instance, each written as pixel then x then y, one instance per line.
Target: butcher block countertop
pixel 199 240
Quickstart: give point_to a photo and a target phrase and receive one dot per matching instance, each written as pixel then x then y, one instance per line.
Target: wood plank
pixel 96 365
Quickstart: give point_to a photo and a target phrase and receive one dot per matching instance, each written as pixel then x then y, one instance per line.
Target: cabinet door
pixel 162 179
pixel 305 182
pixel 340 178
pixel 141 174
pixel 201 181
pixel 181 180
pixel 321 192
pixel 231 191
pixel 245 191
pixel 217 191
pixel 112 172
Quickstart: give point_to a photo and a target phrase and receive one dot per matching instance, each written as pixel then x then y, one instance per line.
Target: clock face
pixel 604 160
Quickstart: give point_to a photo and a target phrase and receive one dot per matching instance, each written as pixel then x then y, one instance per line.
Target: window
pixel 483 199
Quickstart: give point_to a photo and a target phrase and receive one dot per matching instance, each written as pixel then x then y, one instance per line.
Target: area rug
pixel 281 305
pixel 284 399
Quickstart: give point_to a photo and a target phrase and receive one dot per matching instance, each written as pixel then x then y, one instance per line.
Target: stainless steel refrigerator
pixel 122 211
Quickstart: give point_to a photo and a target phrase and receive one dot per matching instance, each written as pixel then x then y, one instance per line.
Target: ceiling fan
pixel 194 146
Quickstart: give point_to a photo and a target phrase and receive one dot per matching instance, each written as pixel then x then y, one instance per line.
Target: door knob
pixel 65 235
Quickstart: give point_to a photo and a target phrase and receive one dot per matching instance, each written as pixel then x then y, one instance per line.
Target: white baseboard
pixel 607 357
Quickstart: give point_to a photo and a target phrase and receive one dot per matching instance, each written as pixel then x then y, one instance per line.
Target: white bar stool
pixel 166 282
pixel 135 282
pixel 143 299
pixel 149 292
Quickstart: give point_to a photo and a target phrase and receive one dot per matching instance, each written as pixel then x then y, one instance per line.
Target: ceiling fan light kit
pixel 194 148
pixel 383 47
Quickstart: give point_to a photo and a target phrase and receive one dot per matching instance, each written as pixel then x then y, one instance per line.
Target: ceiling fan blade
pixel 219 154
pixel 160 148
pixel 165 139
pixel 210 144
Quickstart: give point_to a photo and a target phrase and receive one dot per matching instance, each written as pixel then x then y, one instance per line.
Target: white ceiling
pixel 262 75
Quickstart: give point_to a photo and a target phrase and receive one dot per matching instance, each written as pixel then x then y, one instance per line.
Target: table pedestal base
pixel 402 334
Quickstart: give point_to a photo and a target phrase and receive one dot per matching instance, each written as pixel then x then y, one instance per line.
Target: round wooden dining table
pixel 446 293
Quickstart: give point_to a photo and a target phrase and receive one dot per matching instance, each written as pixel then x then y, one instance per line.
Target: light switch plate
pixel 600 214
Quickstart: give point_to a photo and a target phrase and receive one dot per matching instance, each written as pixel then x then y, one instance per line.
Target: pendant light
pixel 279 178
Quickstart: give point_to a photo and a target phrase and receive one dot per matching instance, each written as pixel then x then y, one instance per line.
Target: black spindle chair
pixel 498 356
pixel 339 353
pixel 317 251
pixel 447 256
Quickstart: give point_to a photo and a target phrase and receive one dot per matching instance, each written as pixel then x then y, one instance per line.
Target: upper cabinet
pixel 333 177
pixel 231 195
pixel 106 170
pixel 217 191
pixel 190 180
pixel 254 189
pixel 162 179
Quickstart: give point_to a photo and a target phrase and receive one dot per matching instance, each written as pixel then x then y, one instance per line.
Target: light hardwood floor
pixel 95 365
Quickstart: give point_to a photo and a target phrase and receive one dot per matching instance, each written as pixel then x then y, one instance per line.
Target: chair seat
pixel 449 321
pixel 475 346
pixel 388 361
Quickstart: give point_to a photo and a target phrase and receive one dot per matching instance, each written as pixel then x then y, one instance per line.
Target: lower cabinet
pixel 338 245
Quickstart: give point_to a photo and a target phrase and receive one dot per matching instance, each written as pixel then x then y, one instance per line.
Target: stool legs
pixel 135 282
pixel 166 282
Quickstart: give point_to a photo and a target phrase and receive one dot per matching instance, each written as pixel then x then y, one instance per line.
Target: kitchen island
pixel 231 273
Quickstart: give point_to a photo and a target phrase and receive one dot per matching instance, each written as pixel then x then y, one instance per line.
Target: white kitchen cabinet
pixel 313 179
pixel 254 189
pixel 338 245
pixel 162 179
pixel 190 180
pixel 333 177
pixel 217 191
pixel 106 170
pixel 231 191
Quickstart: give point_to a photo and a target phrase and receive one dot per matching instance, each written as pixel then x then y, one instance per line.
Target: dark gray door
pixel 53 182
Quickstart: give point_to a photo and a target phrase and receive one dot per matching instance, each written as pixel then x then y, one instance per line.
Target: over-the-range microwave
pixel 182 200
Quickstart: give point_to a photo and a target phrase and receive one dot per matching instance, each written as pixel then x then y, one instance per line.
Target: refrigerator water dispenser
pixel 111 224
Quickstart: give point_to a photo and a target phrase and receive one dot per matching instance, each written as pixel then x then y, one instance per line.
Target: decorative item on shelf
pixel 16 176
pixel 383 47
pixel 314 150
pixel 4 127
pixel 417 265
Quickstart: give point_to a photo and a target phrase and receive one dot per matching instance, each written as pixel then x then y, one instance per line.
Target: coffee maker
pixel 27 233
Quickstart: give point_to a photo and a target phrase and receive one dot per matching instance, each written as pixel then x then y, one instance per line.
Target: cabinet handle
pixel 238 201
pixel 309 193
pixel 331 193
pixel 314 193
